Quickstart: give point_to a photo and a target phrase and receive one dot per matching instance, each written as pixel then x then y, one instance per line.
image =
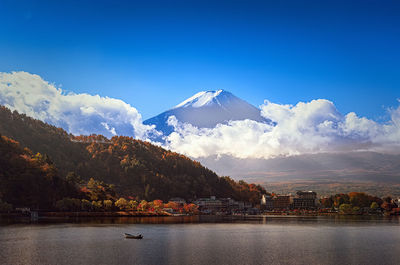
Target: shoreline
pixel 187 219
pixel 102 214
pixel 81 214
pixel 50 215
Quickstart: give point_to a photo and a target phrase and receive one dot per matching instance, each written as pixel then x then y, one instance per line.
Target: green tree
pixel 75 204
pixel 62 205
pixel 86 205
pixel 73 178
pixel 68 204
pixel 5 207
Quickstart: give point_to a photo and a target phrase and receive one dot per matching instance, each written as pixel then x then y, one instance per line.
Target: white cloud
pixel 311 127
pixel 77 113
pixel 107 127
pixel 307 127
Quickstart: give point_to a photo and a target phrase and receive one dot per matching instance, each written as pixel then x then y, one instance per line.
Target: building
pixel 229 203
pixel 178 200
pixel 305 200
pixel 169 210
pixel 267 202
pixel 281 202
pixel 209 205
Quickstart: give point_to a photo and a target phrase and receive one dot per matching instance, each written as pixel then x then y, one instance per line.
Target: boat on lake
pixel 133 236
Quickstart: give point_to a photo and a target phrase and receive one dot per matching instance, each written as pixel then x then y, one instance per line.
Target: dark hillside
pixel 135 167
pixel 43 138
pixel 29 180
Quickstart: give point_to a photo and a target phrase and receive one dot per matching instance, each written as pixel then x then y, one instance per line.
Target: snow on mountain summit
pixel 206 109
pixel 200 99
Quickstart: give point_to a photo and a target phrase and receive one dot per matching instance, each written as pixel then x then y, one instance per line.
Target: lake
pixel 204 240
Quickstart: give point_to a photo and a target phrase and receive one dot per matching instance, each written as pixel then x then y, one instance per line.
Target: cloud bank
pixel 304 128
pixel 311 127
pixel 76 113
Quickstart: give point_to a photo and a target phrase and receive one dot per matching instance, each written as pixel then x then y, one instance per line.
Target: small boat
pixel 133 236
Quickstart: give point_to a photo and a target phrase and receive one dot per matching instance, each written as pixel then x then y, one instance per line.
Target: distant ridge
pixel 206 109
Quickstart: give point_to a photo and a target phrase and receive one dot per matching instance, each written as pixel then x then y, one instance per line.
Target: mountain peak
pixel 206 109
pixel 201 99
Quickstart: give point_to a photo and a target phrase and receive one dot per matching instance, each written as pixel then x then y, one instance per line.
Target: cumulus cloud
pixel 307 127
pixel 77 113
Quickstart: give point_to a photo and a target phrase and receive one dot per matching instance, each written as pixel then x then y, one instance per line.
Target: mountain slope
pixel 206 109
pixel 366 166
pixel 43 138
pixel 135 167
pixel 325 173
pixel 25 178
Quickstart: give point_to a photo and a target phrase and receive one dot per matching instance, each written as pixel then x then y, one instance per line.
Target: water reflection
pixel 204 240
pixel 334 219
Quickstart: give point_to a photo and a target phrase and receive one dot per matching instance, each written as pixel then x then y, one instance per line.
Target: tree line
pixel 357 202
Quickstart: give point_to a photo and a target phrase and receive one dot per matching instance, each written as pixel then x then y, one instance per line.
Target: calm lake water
pixel 204 240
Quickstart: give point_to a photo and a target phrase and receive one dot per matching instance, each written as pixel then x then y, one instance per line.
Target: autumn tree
pixel 143 205
pixel 121 203
pixel 356 209
pixel 345 208
pixel 97 205
pixel 359 199
pixel 96 190
pixel 172 205
pixel 374 206
pixel 191 208
pixel 340 199
pixel 108 204
pixel 327 202
pixel 158 205
pixel 28 180
pixel 132 205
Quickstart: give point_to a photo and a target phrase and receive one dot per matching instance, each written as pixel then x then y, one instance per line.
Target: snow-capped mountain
pixel 206 109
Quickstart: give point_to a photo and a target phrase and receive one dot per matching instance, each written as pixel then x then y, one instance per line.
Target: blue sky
pixel 155 54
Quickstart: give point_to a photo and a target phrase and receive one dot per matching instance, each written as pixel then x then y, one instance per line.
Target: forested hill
pixel 42 138
pixel 136 168
pixel 29 180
